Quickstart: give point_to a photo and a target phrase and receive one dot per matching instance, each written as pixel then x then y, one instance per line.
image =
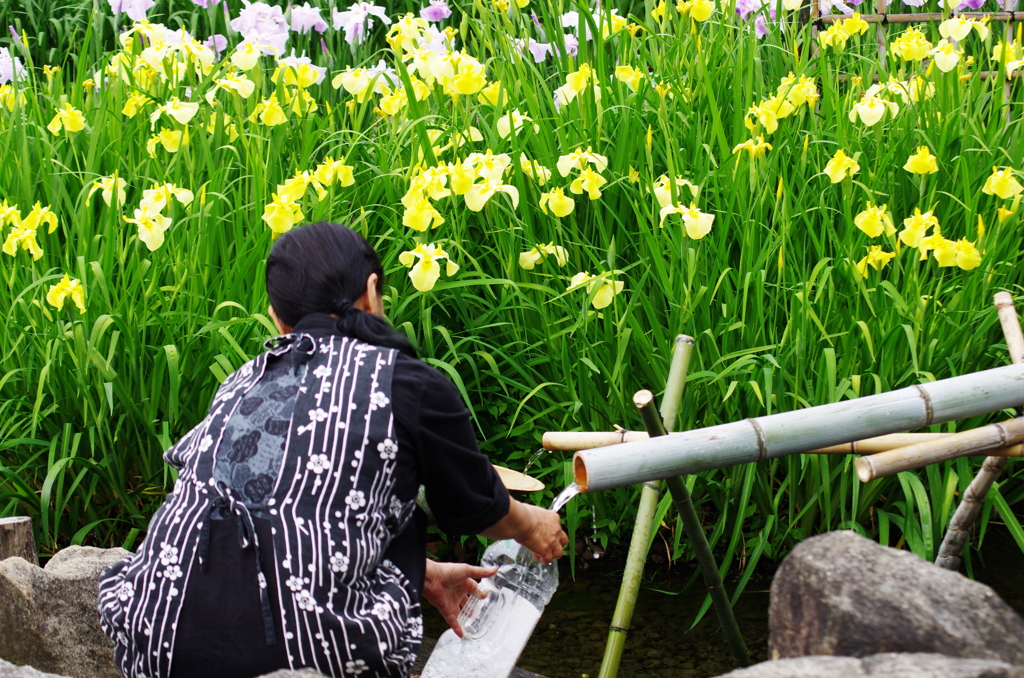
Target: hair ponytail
pixel 321 268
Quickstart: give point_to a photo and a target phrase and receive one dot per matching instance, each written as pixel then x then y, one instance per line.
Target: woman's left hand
pixel 447 586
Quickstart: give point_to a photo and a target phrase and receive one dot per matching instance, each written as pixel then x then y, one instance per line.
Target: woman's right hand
pixel 535 528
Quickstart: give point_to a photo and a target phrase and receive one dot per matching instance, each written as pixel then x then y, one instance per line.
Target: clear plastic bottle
pixel 497 626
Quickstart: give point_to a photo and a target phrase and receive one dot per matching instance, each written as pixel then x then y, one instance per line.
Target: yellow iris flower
pixel 513 121
pixel 561 205
pixel 874 221
pixel 663 192
pixel 9 214
pixel 600 288
pixel 134 103
pixel 68 118
pixel 697 224
pixel 420 214
pixel 528 260
pixel 589 181
pixel 871 108
pixel 916 227
pixel 331 170
pixel 281 215
pixel 579 159
pixel 876 258
pixel 841 166
pixel 25 238
pixel 755 147
pixel 423 261
pixel 922 162
pixel 67 288
pixel 479 194
pixel 152 226
pixel 171 140
pixel 1002 183
pixel 912 45
pixel 107 186
pixel 38 216
pixel 156 198
pixel 631 75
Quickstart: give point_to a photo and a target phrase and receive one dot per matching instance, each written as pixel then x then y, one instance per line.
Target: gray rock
pixel 841 594
pixel 49 614
pixel 886 665
pixel 8 670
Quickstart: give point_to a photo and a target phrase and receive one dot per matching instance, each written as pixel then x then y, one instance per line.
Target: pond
pixel 570 638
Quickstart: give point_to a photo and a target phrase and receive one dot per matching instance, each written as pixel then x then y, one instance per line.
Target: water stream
pixel 570 491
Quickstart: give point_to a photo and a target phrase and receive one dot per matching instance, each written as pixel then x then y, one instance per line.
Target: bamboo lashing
pixel 975 441
pixel 573 441
pixel 970 506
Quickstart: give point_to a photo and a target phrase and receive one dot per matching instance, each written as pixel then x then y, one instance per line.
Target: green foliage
pixel 781 318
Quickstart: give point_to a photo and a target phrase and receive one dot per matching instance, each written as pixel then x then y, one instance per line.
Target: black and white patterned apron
pixel 328 494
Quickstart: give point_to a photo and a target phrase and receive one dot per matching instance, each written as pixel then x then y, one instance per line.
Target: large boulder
pixel 841 594
pixel 887 665
pixel 48 615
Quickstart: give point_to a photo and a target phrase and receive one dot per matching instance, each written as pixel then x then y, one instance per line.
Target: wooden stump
pixel 16 539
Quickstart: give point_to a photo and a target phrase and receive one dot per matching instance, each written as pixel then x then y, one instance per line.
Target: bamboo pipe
pixel 644 402
pixel 970 506
pixel 800 430
pixel 975 441
pixel 639 543
pixel 573 441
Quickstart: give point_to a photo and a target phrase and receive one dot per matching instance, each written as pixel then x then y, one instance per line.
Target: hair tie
pixel 342 307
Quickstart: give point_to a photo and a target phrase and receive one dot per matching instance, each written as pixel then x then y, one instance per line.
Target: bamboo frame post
pixel 644 402
pixel 649 497
pixel 16 539
pixel 952 547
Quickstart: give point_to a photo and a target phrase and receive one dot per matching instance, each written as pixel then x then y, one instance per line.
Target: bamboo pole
pixel 800 430
pixel 970 506
pixel 644 402
pixel 16 539
pixel 977 440
pixel 573 441
pixel 642 528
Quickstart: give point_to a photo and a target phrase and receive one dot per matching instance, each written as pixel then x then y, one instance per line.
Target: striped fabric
pixel 344 609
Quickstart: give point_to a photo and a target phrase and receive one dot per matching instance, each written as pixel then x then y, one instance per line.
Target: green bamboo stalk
pixel 644 401
pixel 644 524
pixel 952 547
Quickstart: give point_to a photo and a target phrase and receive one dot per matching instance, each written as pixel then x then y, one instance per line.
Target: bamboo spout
pixel 801 430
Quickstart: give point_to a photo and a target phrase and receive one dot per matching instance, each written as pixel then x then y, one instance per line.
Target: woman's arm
pixel 535 528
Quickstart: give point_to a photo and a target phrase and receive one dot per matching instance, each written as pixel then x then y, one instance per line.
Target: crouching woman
pixel 292 538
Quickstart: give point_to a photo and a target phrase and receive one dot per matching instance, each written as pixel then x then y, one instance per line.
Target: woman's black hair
pixel 323 268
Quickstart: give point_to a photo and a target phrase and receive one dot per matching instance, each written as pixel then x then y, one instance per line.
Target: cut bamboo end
pixel 864 471
pixel 579 471
pixel 685 339
pixel 643 398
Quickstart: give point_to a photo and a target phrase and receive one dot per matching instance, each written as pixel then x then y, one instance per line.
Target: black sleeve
pixel 463 489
